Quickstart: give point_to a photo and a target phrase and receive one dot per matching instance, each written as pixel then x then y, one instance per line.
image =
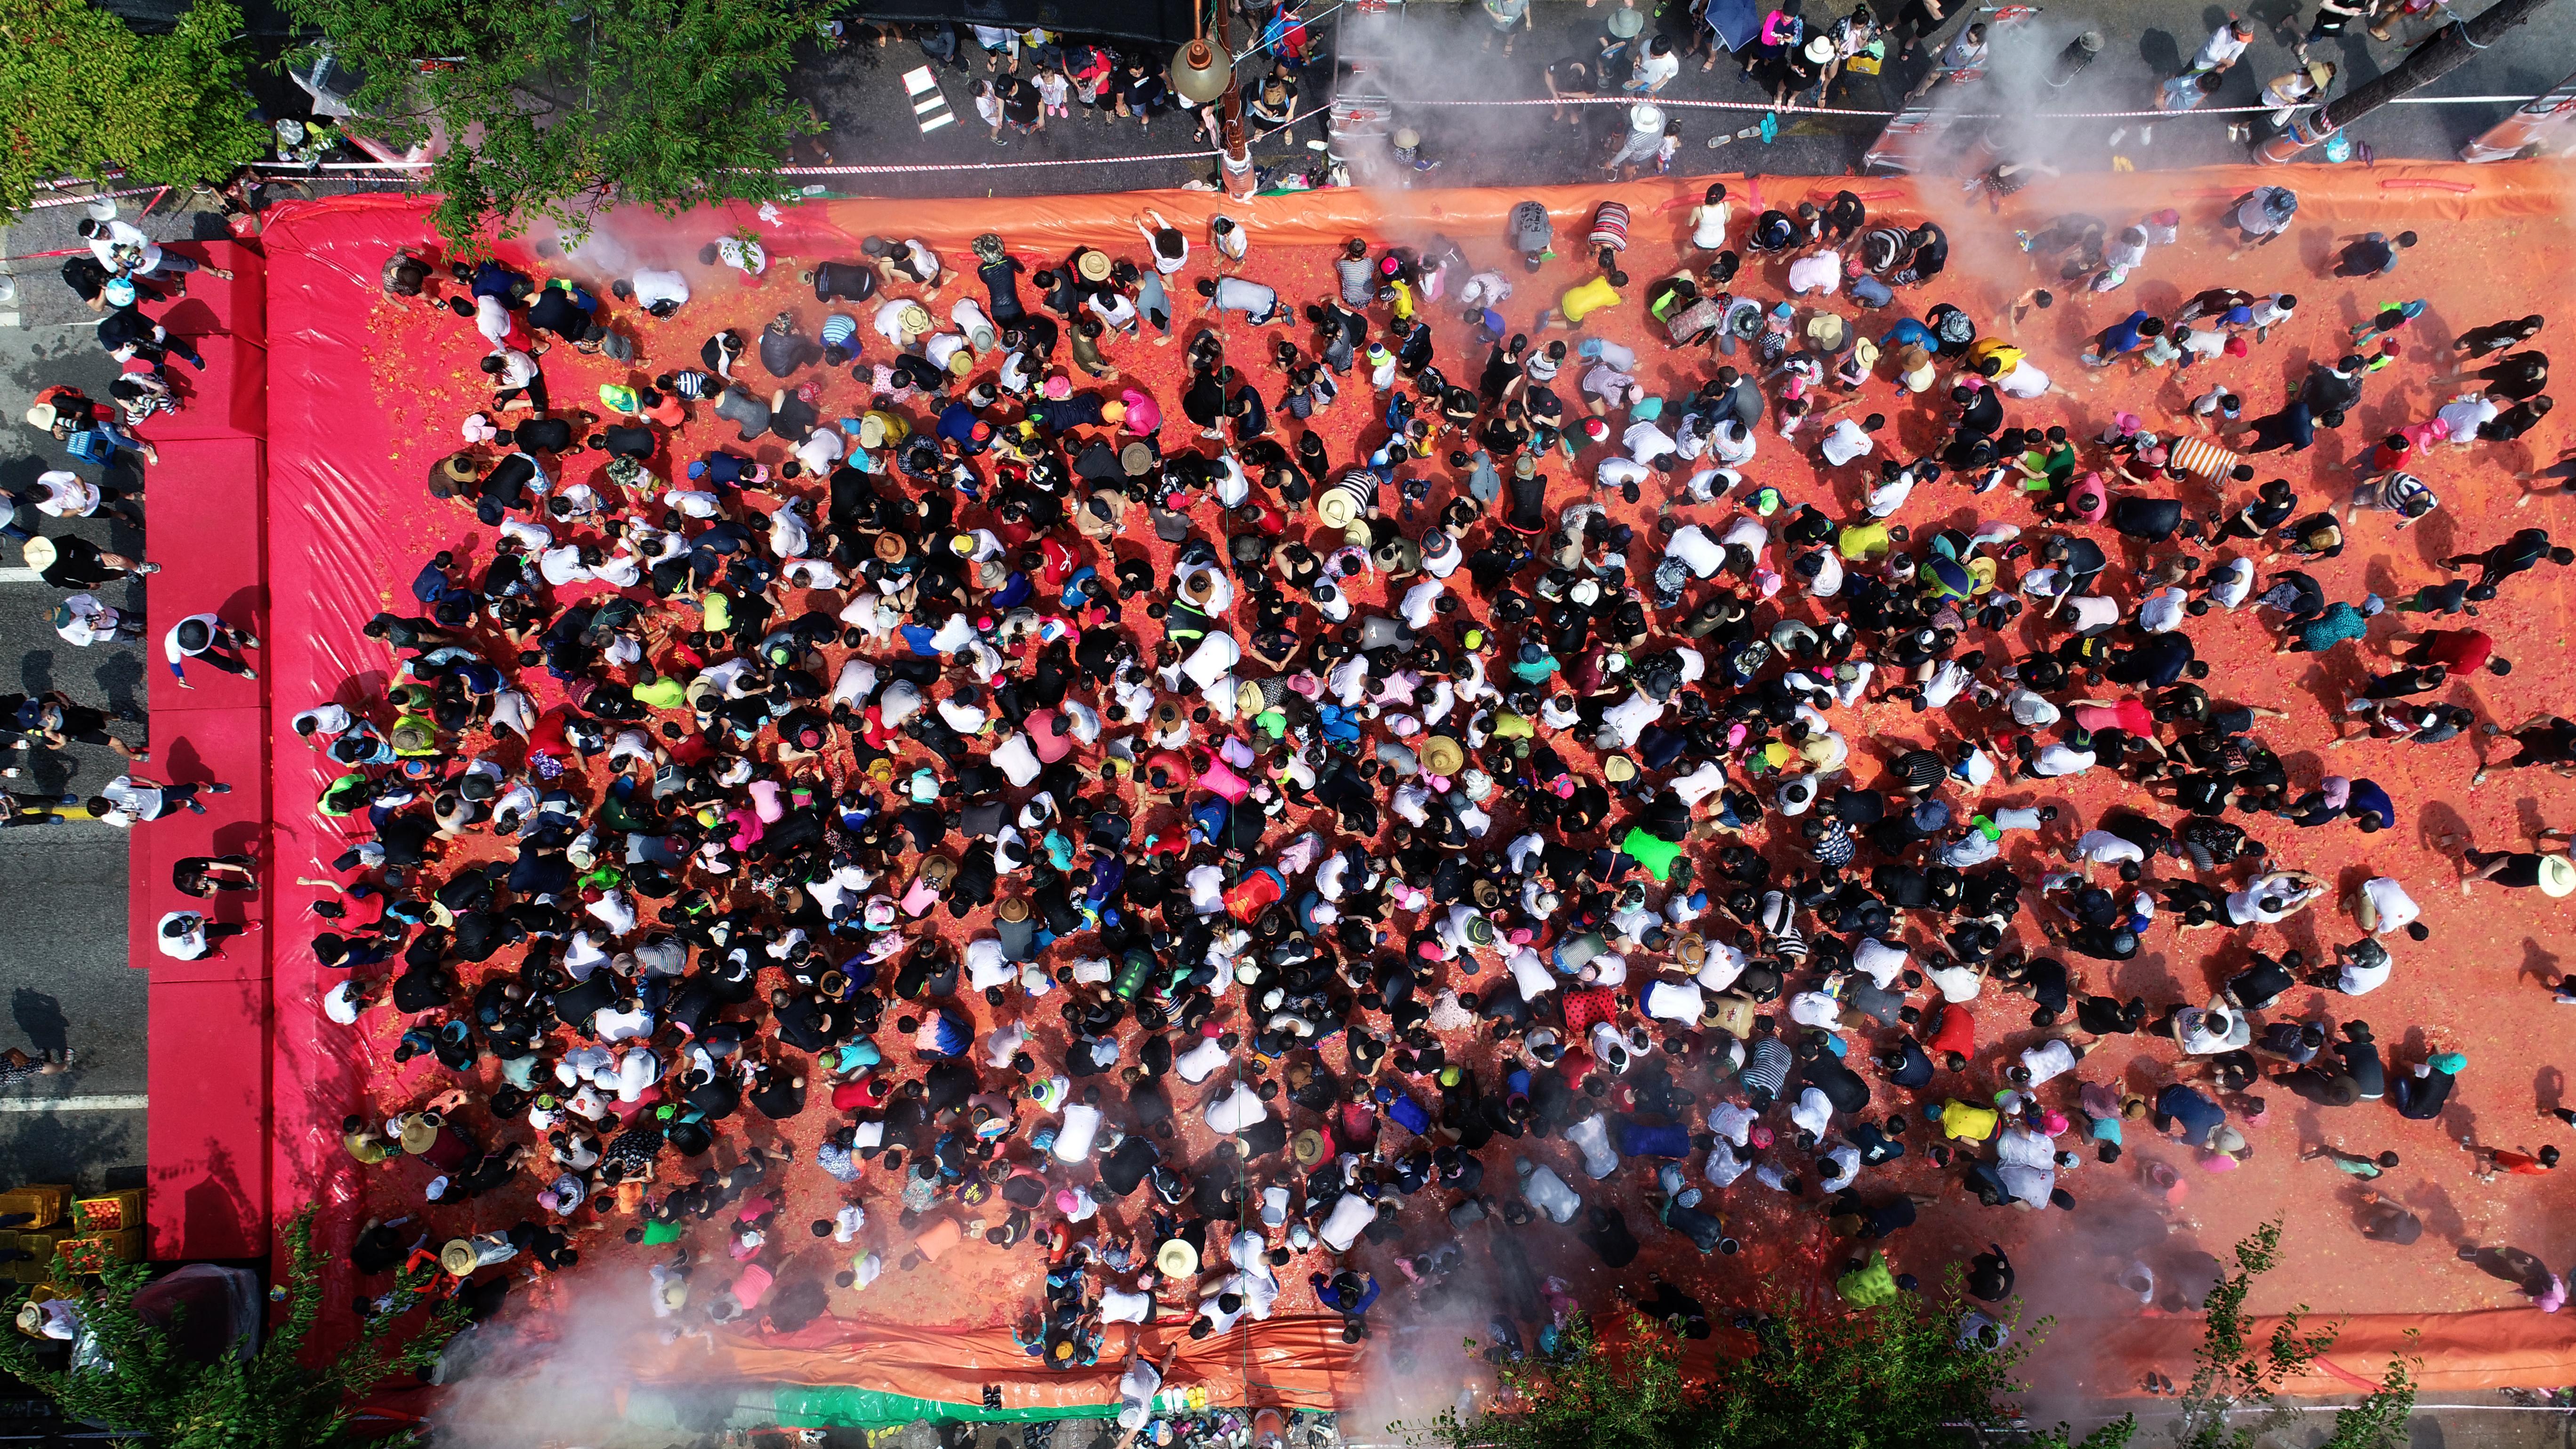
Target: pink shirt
pixel 1144 415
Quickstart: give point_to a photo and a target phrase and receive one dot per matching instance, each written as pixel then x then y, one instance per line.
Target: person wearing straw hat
pixel 1645 137
pixel 72 562
pixel 2547 867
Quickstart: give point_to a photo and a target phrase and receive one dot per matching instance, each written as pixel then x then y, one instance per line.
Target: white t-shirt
pixel 1819 272
pixel 652 287
pixel 2396 909
pixel 2359 980
pixel 2103 848
pixel 1708 227
pixel 1956 982
pixel 1136 1390
pixel 1845 441
pixel 188 945
pixel 337 1005
pixel 125 234
pixel 130 801
pixel 2057 760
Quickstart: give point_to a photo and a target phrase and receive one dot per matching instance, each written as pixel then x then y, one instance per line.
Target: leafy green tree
pixel 127 1376
pixel 560 111
pixel 2234 1398
pixel 86 96
pixel 1895 1377
pixel 1892 1377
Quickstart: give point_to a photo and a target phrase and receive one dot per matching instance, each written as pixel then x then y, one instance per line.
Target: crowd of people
pixel 1143 831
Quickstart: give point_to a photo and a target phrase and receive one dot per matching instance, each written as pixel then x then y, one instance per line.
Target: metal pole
pixel 2444 51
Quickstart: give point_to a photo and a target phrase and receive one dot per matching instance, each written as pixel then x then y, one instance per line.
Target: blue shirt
pixel 2122 336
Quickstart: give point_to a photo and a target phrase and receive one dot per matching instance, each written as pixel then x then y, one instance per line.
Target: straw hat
pixel 1335 506
pixel 1308 1147
pixel 1092 264
pixel 1176 1259
pixel 39 553
pixel 1249 697
pixel 1619 769
pixel 890 547
pixel 418 1134
pixel 2557 875
pixel 872 431
pixel 937 872
pixel 1691 951
pixel 1485 894
pixel 915 318
pixel 1200 586
pixel 458 1257
pixel 1443 756
pixel 1014 910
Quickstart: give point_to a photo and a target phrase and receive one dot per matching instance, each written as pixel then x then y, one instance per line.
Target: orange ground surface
pixel 2478 986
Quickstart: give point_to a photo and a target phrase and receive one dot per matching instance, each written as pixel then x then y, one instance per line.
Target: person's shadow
pixel 40 1018
pixel 2161 53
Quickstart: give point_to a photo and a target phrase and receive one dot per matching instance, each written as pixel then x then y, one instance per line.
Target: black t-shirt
pixel 2154 519
pixel 778 1096
pixel 1126 1167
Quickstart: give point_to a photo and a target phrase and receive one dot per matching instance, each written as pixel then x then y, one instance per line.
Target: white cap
pixel 1643 117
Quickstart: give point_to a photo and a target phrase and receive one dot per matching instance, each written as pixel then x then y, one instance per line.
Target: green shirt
pixel 663 693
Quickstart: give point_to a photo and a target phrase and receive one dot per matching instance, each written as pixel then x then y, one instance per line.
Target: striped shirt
pixel 1766 1067
pixel 1610 226
pixel 2203 458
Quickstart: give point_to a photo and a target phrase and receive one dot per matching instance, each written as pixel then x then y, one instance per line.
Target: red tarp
pixel 364 397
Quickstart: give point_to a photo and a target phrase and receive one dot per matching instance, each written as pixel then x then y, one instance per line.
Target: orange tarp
pixel 2336 194
pixel 1297 1363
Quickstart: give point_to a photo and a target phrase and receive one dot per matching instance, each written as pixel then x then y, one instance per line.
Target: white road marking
pixel 104 1102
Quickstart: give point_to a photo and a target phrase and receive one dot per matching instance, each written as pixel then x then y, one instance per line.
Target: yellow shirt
pixel 1581 302
pixel 1865 541
pixel 1963 1120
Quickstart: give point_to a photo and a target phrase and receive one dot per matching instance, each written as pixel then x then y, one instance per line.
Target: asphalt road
pixel 62 911
pixel 1439 57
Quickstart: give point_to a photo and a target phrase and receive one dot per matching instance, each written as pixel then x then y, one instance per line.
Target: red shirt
pixel 1958 1031
pixel 2459 650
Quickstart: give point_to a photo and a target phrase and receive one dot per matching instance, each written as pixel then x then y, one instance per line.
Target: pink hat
pixel 1759 1135
pixel 1059 387
pixel 2337 790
